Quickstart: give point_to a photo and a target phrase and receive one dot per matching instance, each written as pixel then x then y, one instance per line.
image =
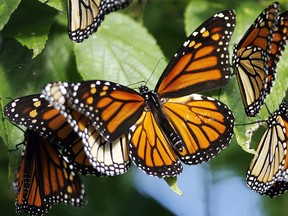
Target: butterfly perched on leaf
pixel 34 112
pixel 268 173
pixel 172 122
pixel 85 16
pixel 45 178
pixel 256 56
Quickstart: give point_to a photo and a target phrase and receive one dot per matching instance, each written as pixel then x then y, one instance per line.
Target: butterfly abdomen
pixel 153 104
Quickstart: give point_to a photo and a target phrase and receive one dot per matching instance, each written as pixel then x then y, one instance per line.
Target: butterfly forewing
pixel 251 77
pixel 278 43
pixel 112 108
pixel 251 59
pixel 204 124
pixel 149 149
pixel 85 16
pixel 37 114
pixel 202 63
pixel 45 178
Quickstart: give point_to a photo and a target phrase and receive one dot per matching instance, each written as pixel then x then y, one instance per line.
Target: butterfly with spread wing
pixel 172 121
pixel 37 114
pixel 268 173
pixel 256 56
pixel 45 178
pixel 85 16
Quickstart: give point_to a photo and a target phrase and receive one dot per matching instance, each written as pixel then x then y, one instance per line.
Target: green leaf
pixel 59 5
pixel 172 182
pixel 7 7
pixel 120 54
pixel 36 19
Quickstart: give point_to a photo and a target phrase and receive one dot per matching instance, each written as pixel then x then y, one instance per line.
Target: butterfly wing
pixel 35 113
pixel 202 63
pixel 204 124
pixel 44 178
pixel 250 60
pixel 109 158
pixel 264 167
pixel 278 188
pixel 278 43
pixel 149 149
pixel 85 16
pixel 111 107
pixel 268 169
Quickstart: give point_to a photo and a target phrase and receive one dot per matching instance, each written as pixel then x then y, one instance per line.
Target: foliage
pixel 35 50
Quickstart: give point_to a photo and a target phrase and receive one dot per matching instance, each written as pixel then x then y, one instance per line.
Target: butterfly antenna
pixel 136 83
pixel 154 70
pixel 9 98
pixel 219 92
pixel 267 108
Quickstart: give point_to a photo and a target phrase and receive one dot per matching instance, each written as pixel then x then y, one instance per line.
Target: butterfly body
pixel 154 105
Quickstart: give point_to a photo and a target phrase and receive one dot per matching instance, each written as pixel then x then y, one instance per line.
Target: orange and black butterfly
pixel 85 16
pixel 37 114
pixel 256 56
pixel 268 173
pixel 45 177
pixel 172 121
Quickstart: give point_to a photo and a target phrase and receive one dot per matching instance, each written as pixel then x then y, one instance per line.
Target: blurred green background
pixel 35 49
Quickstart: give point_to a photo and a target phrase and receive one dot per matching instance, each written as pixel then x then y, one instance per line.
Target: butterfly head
pixel 144 89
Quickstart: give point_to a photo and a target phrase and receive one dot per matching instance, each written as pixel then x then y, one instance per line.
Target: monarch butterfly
pixel 256 56
pixel 36 113
pixel 171 121
pixel 45 178
pixel 268 173
pixel 85 16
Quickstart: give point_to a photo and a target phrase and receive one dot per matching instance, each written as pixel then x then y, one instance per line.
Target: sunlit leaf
pixel 120 54
pixel 172 182
pixel 7 7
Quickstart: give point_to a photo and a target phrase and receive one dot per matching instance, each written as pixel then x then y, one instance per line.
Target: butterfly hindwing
pixel 45 178
pixel 111 158
pixel 268 170
pixel 85 16
pixel 149 148
pixel 204 124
